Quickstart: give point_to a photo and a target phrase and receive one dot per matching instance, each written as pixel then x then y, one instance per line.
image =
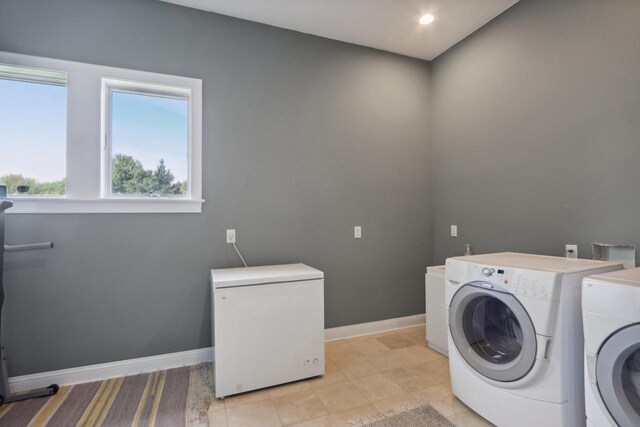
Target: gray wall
pixel 303 139
pixel 536 130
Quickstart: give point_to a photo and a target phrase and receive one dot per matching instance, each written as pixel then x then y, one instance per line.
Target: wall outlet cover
pixel 357 232
pixel 571 251
pixel 454 231
pixel 231 236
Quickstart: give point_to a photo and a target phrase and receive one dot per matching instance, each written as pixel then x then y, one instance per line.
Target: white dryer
pixel 611 312
pixel 515 333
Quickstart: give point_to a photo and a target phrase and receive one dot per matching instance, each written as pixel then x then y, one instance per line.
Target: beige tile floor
pixel 364 376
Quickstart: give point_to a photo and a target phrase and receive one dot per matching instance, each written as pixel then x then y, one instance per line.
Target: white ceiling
pixel 390 25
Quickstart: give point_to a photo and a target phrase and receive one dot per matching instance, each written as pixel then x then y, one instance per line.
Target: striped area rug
pixel 176 397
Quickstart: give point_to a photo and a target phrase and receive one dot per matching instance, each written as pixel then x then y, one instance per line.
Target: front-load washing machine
pixel 611 314
pixel 515 336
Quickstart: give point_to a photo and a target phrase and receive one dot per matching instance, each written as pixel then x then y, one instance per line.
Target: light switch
pixel 454 231
pixel 357 232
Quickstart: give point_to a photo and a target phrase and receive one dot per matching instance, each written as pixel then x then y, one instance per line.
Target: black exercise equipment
pixel 5 393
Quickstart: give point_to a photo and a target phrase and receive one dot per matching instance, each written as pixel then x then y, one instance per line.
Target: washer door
pixel 618 375
pixel 492 331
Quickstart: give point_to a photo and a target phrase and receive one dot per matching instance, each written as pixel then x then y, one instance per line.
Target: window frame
pixel 38 76
pixel 137 88
pixel 86 140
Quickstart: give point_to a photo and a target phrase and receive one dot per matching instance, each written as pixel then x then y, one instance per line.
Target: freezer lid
pixel 246 276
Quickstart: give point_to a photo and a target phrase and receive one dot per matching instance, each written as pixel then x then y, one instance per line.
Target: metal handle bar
pixel 29 247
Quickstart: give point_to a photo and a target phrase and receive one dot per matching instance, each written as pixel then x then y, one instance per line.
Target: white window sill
pixel 64 205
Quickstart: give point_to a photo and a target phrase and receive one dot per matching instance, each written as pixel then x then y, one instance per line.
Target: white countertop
pixel 538 262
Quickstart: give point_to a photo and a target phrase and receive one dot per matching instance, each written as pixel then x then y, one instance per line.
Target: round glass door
pixel 618 375
pixel 631 380
pixel 492 332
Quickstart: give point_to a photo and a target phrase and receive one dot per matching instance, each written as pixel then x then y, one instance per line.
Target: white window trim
pixel 108 87
pixel 86 140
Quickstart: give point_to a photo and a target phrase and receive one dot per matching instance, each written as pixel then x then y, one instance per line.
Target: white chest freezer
pixel 437 334
pixel 268 326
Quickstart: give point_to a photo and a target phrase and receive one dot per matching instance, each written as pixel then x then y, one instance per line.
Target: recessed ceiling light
pixel 427 19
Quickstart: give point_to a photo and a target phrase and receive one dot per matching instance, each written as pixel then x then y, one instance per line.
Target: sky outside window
pixel 149 129
pixel 33 130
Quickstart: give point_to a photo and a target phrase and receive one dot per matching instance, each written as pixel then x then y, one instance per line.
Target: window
pixel 147 140
pixel 85 138
pixel 33 131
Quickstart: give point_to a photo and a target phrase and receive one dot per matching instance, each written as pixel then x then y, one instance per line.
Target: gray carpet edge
pixel 416 414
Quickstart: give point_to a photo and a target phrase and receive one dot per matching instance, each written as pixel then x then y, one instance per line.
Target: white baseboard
pixel 102 371
pixel 368 328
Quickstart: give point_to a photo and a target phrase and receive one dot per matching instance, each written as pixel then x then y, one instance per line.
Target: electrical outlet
pixel 454 231
pixel 357 232
pixel 231 236
pixel 571 251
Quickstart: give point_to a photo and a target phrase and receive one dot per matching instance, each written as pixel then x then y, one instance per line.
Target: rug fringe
pixel 407 406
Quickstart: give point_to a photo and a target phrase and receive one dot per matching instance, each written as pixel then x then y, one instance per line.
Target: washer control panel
pixel 528 286
pixel 526 283
pixel 495 275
